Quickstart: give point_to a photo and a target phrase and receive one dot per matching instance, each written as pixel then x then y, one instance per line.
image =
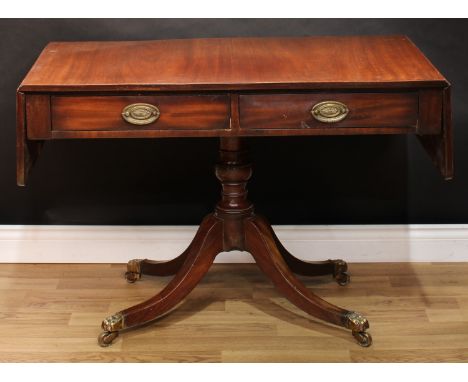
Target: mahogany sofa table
pixel 234 88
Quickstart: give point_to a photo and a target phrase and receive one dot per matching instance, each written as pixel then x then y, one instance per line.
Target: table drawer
pixel 328 110
pixel 140 112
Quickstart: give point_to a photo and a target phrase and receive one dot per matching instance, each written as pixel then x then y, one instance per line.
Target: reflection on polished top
pixel 233 63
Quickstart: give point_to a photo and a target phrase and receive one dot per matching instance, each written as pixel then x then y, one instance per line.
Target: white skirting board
pixel 118 244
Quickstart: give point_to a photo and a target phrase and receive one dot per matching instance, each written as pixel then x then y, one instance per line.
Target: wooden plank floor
pixel 52 312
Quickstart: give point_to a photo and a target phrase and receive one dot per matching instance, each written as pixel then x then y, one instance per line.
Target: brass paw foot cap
pixel 340 272
pixel 133 270
pixel 113 323
pixel 356 322
pixel 340 266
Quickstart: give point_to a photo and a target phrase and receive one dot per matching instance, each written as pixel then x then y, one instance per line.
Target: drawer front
pixel 137 113
pixel 328 110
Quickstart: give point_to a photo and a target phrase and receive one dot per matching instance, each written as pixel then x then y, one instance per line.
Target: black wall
pixel 320 180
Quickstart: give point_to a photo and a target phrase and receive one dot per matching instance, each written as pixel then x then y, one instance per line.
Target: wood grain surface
pixel 38 116
pixel 27 151
pixel 52 312
pixel 232 63
pixel 178 112
pixel 293 111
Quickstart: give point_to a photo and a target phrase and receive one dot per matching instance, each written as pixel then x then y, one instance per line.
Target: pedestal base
pixel 235 226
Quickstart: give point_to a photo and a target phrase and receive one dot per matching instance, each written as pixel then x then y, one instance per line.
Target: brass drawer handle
pixel 140 113
pixel 329 111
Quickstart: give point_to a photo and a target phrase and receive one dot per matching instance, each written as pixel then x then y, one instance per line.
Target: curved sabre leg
pixel 138 267
pixel 262 246
pixel 337 268
pixel 201 254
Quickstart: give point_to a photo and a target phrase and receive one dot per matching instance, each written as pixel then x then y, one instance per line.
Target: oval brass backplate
pixel 329 111
pixel 140 113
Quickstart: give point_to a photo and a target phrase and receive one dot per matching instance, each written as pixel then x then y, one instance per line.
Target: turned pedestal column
pixel 234 226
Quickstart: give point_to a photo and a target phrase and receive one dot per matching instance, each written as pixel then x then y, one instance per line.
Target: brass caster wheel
pixel 343 278
pixel 363 338
pixel 131 277
pixel 105 338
